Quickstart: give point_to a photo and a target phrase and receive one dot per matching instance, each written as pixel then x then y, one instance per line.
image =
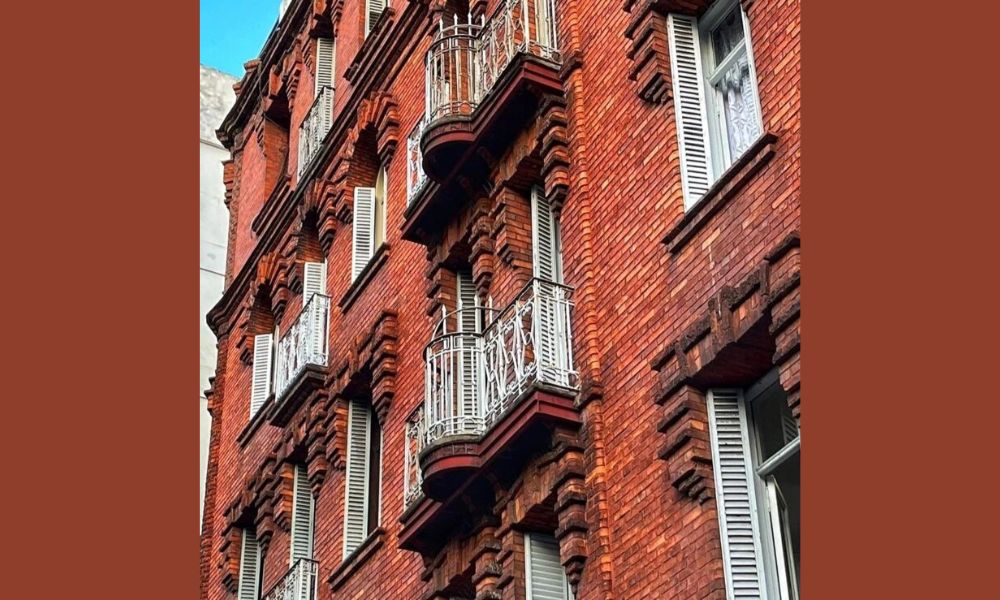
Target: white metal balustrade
pixel 465 60
pixel 472 379
pixel 412 475
pixel 415 176
pixel 299 583
pixel 315 126
pixel 306 343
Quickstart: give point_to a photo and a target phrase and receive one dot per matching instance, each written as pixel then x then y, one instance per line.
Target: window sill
pixel 379 258
pixel 262 416
pixel 356 559
pixel 722 191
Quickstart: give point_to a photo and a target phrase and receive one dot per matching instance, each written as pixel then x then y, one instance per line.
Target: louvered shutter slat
pixel 261 384
pixel 689 107
pixel 545 578
pixel 364 229
pixel 249 567
pixel 373 10
pixel 735 495
pixel 313 280
pixel 324 63
pixel 356 501
pixel 468 322
pixel 302 516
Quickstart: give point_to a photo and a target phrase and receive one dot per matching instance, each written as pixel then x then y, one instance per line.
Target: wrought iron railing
pixel 415 176
pixel 465 60
pixel 412 475
pixel 298 583
pixel 473 378
pixel 304 344
pixel 315 126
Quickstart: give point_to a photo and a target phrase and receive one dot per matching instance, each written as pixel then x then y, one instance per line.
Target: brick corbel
pixel 229 562
pixel 554 144
pixel 742 321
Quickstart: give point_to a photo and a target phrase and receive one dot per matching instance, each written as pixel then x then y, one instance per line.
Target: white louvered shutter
pixel 249 583
pixel 263 355
pixel 324 63
pixel 689 107
pixel 356 497
pixel 468 322
pixel 302 516
pixel 544 577
pixel 313 280
pixel 545 238
pixel 373 10
pixel 364 229
pixel 735 495
pixel 546 261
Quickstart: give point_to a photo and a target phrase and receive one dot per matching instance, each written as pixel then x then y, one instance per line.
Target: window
pixel 303 517
pixel 755 449
pixel 362 506
pixel 544 577
pixel 251 567
pixel 715 93
pixel 373 10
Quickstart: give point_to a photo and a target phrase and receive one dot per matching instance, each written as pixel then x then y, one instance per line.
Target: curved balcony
pixel 473 380
pixel 483 81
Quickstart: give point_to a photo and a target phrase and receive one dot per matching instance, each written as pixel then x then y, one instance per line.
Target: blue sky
pixel 233 31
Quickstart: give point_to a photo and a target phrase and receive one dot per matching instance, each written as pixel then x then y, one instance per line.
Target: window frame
pixel 721 157
pixel 773 537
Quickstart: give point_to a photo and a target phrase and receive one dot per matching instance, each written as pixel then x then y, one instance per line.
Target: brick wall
pixel 634 295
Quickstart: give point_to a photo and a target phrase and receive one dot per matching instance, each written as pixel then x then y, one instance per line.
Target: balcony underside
pixel 305 383
pixel 462 474
pixel 460 148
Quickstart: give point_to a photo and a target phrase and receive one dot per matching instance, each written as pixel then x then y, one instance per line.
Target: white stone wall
pixel 216 98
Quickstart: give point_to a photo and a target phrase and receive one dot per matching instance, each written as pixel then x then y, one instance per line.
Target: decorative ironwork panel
pixel 304 344
pixel 465 60
pixel 472 379
pixel 412 475
pixel 314 127
pixel 415 176
pixel 299 583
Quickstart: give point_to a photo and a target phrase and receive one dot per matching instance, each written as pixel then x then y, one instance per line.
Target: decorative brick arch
pixel 271 282
pixel 379 113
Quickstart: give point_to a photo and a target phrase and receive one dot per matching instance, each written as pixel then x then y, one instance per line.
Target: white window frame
pixel 721 155
pixel 773 538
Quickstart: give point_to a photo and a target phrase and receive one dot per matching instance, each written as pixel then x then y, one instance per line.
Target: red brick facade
pixel 668 302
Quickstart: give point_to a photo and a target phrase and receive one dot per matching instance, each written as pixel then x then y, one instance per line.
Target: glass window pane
pixel 728 34
pixel 774 425
pixel 742 125
pixel 786 479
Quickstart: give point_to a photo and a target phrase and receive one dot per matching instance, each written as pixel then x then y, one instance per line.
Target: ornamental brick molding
pixel 746 330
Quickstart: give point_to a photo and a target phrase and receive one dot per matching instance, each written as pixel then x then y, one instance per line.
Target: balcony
pixel 314 127
pixel 484 80
pixel 473 381
pixel 299 583
pixel 302 357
